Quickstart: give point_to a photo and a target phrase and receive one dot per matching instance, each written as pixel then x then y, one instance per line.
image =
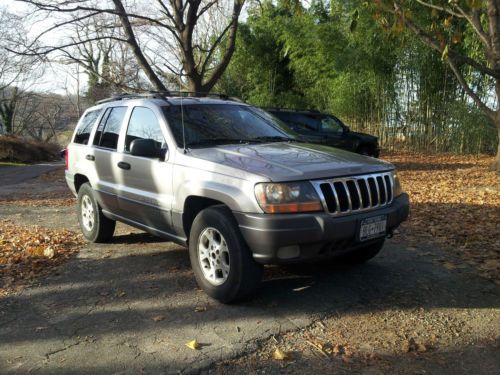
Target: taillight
pixel 66 158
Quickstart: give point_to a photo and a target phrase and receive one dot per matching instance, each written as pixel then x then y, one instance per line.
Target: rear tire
pixel 94 225
pixel 221 260
pixel 363 254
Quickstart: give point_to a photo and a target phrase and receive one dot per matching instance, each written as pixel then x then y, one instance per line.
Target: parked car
pixel 322 128
pixel 223 179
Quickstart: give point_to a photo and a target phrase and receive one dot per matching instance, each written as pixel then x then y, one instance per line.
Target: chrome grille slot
pixel 353 192
pixel 373 191
pixel 365 194
pixel 341 196
pixel 326 189
pixel 388 183
pixel 381 189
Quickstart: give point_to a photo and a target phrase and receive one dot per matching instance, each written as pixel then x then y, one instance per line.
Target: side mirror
pixel 347 129
pixel 146 148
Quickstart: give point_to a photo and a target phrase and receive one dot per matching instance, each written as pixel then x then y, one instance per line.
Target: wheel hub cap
pixel 87 211
pixel 213 255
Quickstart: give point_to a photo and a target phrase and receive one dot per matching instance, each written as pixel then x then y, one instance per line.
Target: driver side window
pixel 330 125
pixel 143 124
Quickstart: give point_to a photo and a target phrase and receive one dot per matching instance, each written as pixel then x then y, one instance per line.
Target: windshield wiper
pixel 219 141
pixel 276 139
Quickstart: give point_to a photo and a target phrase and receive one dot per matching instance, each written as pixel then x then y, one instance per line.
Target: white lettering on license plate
pixel 372 227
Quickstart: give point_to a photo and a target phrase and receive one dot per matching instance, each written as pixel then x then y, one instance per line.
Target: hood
pixel 291 161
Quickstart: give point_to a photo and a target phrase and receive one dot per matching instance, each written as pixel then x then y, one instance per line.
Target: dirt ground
pixel 429 304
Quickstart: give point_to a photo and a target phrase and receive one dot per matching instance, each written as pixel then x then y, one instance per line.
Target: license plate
pixel 372 227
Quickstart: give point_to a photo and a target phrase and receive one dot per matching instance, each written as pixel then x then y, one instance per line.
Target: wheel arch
pixel 193 205
pixel 80 179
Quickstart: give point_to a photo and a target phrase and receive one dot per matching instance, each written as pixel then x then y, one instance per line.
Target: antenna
pixel 182 117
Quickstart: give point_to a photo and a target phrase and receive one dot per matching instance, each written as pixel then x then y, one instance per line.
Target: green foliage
pixel 345 57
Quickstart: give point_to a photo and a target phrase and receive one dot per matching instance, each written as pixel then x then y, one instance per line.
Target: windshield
pixel 209 124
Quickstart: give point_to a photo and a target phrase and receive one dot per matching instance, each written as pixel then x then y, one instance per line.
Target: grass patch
pixel 9 164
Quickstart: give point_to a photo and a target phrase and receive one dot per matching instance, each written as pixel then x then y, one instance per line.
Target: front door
pixel 145 183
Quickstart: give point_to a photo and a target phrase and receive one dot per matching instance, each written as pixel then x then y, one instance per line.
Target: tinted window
pixel 85 128
pixel 109 128
pixel 299 121
pixel 331 125
pixel 224 123
pixel 143 124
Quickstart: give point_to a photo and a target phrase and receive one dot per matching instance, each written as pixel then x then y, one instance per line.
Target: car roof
pixel 142 99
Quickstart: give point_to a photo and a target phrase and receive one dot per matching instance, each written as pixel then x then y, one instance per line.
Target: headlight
pixel 398 190
pixel 291 197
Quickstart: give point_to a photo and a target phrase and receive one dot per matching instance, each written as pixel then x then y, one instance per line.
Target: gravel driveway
pixel 130 306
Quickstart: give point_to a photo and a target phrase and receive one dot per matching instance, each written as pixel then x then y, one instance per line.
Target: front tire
pixel 94 225
pixel 221 260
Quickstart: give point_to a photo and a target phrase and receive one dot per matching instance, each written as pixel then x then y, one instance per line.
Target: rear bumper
pixel 273 238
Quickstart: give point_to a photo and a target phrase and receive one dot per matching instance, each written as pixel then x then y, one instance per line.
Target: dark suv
pixel 322 128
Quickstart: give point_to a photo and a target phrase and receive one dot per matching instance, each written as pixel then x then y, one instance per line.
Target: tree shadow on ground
pixel 87 294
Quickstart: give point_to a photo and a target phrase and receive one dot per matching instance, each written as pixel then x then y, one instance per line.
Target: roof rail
pixel 197 94
pixel 126 95
pixel 166 94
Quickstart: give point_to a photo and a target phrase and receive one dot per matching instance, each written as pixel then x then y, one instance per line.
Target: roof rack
pixel 126 96
pixel 167 94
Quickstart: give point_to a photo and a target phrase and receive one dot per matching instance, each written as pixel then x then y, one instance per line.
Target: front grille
pixel 346 195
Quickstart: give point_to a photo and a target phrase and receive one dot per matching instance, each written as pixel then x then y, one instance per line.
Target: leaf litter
pixel 455 201
pixel 29 251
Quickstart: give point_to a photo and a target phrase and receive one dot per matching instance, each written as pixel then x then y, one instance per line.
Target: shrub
pixel 18 149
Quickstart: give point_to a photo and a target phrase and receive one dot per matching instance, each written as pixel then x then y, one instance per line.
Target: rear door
pixel 104 156
pixel 146 183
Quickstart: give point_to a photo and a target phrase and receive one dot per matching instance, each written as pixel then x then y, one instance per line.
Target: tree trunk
pixel 496 163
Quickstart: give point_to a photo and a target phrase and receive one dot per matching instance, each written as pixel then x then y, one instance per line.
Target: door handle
pixel 90 157
pixel 123 165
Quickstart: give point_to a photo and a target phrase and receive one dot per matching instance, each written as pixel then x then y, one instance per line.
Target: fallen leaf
pixel 49 252
pixel 158 318
pixel 280 355
pixel 193 345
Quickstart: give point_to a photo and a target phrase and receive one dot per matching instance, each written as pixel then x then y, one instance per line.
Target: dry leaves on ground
pixel 455 200
pixel 28 251
pixel 41 200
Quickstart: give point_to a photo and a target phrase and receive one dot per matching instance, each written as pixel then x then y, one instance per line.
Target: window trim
pixel 108 110
pixel 124 149
pixel 91 134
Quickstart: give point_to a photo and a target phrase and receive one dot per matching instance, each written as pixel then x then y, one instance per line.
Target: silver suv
pixel 226 180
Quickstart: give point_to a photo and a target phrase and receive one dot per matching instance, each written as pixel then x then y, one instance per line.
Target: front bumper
pixel 317 235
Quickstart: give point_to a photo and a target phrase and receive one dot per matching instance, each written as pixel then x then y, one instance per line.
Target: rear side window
pixel 85 128
pixel 143 124
pixel 304 122
pixel 109 128
pixel 299 121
